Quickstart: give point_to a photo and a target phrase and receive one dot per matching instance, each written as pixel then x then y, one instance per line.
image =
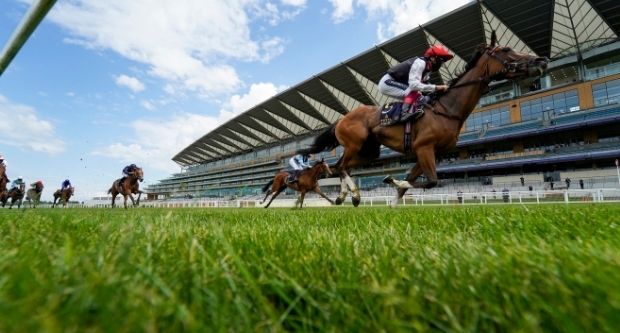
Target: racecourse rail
pixel 415 199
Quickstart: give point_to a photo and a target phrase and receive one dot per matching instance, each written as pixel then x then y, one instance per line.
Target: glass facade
pixel 493 117
pixel 606 93
pixel 557 103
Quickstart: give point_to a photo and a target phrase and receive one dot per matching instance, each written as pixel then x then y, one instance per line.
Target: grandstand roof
pixel 551 28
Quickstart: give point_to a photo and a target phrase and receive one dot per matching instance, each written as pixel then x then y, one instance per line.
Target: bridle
pixel 509 66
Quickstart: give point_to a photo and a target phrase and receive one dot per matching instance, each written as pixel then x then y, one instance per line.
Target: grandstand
pixel 555 132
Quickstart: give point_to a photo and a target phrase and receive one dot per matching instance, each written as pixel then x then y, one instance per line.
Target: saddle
pixel 292 176
pixel 391 112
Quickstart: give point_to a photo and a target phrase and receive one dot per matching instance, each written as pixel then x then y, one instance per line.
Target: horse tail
pixel 324 142
pixel 266 187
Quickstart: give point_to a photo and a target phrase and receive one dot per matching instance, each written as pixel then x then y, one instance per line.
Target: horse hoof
pixel 356 201
pixel 338 202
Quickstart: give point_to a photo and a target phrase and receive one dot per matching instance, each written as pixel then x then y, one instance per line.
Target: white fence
pixel 477 198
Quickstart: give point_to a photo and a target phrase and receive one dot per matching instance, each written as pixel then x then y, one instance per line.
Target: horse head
pixel 506 63
pixel 139 174
pixel 325 167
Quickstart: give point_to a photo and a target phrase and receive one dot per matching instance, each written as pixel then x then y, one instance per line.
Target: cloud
pixel 156 141
pixel 190 44
pixel 147 105
pixel 22 127
pixel 130 82
pixel 394 17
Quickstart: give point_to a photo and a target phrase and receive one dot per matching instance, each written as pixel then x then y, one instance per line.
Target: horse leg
pixel 282 188
pixel 133 202
pixel 317 190
pixel 426 160
pixel 139 195
pixel 125 201
pixel 404 185
pixel 343 190
pixel 300 200
pixel 267 195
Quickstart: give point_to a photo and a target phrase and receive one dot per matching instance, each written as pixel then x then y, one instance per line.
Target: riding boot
pixel 410 113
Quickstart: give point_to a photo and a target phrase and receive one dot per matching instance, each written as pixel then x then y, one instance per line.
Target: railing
pixel 439 199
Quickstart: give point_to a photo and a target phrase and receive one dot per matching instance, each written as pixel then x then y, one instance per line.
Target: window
pixel 606 93
pixel 494 118
pixel 557 103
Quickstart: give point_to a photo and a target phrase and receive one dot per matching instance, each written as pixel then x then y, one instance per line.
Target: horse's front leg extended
pixel 404 185
pixel 355 196
pixel 133 202
pixel 317 190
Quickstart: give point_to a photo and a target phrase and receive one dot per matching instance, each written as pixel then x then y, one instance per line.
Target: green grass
pixel 444 269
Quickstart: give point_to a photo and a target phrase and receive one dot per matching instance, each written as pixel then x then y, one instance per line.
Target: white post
pixel 537 198
pixel 618 171
pixel 565 196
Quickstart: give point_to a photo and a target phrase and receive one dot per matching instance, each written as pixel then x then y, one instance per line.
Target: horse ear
pixel 493 38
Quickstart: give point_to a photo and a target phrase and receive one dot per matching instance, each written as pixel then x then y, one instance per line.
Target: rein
pixel 486 79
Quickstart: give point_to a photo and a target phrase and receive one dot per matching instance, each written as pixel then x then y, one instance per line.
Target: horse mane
pixel 470 64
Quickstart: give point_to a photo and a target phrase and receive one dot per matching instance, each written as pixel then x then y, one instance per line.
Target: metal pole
pixel 31 20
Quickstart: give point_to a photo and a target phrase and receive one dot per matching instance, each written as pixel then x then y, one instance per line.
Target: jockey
pixel 17 183
pixel 65 185
pixel 299 163
pixel 408 79
pixel 129 170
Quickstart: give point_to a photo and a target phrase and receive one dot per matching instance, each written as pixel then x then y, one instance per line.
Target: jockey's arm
pixel 415 78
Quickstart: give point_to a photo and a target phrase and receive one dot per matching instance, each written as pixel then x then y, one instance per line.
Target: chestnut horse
pixel 63 196
pixel 33 195
pixel 361 135
pixel 130 185
pixel 3 181
pixel 307 181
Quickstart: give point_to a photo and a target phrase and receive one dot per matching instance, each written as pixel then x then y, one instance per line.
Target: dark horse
pixel 3 181
pixel 361 135
pixel 129 185
pixel 307 181
pixel 63 195
pixel 33 195
pixel 16 195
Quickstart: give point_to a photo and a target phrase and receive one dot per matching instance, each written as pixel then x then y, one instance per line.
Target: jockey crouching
pixel 37 186
pixel 127 172
pixel 17 184
pixel 299 163
pixel 409 79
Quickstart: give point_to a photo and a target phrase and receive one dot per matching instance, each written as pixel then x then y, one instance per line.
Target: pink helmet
pixel 438 50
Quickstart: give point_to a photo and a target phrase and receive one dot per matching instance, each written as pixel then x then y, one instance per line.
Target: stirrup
pixel 415 114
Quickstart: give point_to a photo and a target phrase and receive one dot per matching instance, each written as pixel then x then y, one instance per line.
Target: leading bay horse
pixel 63 196
pixel 361 135
pixel 307 181
pixel 127 187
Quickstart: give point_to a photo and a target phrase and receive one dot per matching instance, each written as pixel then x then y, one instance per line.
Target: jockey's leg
pixel 411 111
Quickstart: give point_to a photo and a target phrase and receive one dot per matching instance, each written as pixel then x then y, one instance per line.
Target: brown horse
pixel 129 185
pixel 63 195
pixel 307 181
pixel 361 135
pixel 33 195
pixel 15 194
pixel 3 181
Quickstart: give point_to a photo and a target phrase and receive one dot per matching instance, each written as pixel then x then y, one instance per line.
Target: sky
pixel 102 84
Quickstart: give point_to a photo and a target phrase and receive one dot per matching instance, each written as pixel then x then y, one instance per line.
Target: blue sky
pixel 101 84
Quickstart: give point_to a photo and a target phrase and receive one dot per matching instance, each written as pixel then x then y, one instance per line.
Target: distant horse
pixel 15 194
pixel 361 135
pixel 3 181
pixel 63 195
pixel 129 186
pixel 33 195
pixel 307 181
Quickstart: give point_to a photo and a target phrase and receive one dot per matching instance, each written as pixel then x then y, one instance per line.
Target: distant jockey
pixel 65 185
